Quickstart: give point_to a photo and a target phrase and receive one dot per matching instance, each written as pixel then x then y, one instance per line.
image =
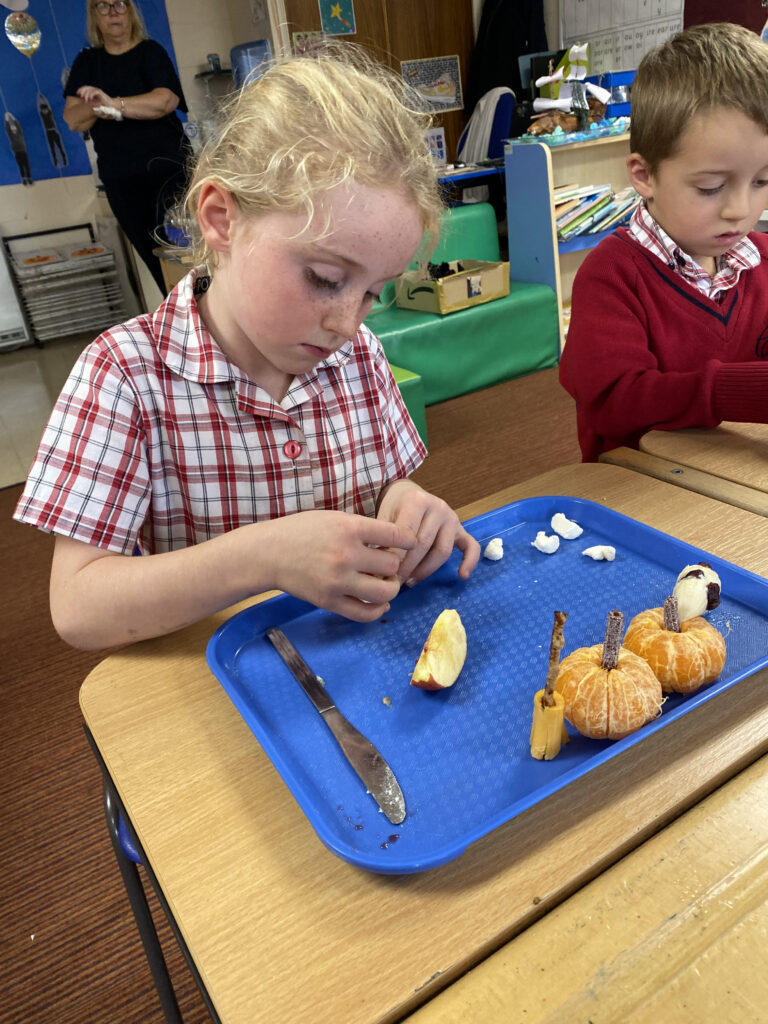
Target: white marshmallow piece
pixel 545 544
pixel 494 549
pixel 567 529
pixel 600 552
pixel 110 112
pixel 692 590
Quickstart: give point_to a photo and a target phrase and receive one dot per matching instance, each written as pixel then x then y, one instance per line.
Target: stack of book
pixel 588 209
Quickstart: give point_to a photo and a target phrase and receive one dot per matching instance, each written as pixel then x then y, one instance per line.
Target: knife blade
pixel 367 762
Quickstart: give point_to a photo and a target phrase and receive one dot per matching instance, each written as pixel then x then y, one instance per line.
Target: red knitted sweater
pixel 647 351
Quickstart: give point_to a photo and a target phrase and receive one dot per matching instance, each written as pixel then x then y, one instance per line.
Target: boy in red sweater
pixel 669 317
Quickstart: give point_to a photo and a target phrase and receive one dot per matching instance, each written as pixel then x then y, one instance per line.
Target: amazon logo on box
pixel 465 283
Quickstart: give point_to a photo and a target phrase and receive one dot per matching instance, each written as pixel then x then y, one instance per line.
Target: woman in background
pixel 124 90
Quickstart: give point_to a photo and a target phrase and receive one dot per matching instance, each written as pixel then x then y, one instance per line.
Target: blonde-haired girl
pixel 309 126
pixel 249 435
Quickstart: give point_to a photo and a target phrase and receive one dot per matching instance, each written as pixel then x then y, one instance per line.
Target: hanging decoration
pixel 65 69
pixel 23 32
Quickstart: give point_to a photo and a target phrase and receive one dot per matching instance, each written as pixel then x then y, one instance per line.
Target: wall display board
pixel 429 42
pixel 36 51
pixel 619 34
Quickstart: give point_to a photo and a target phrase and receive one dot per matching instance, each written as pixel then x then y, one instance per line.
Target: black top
pixel 507 31
pixel 128 147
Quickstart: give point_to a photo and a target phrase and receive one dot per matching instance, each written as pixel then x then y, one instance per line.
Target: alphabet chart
pixel 619 34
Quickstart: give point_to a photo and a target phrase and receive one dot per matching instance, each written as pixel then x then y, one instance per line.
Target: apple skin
pixel 443 655
pixel 430 684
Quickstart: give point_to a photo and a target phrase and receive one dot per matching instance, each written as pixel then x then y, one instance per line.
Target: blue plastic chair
pixel 501 126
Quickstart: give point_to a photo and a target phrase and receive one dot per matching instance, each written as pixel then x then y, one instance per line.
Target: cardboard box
pixel 480 281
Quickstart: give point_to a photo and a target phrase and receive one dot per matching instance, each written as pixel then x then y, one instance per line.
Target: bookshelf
pixel 532 170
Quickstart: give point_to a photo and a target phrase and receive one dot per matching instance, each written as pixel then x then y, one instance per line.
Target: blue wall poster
pixel 337 17
pixel 34 63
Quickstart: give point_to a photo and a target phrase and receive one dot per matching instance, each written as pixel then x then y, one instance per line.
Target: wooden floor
pixel 491 439
pixel 69 949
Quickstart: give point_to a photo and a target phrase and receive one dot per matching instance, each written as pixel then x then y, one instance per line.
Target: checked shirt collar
pixel 646 230
pixel 187 347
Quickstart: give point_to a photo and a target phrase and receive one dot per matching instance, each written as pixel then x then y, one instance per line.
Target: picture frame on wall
pixel 437 80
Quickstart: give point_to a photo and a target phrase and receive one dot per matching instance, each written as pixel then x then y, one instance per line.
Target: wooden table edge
pixel 680 475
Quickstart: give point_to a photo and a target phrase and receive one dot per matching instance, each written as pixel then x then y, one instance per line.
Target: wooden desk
pixel 729 463
pixel 471 173
pixel 679 923
pixel 279 928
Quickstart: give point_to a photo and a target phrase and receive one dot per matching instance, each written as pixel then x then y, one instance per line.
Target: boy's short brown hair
pixel 704 67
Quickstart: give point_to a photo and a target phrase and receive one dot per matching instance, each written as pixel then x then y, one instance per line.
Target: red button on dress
pixel 292 449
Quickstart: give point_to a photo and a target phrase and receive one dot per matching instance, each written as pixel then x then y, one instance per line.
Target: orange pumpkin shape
pixel 683 661
pixel 608 691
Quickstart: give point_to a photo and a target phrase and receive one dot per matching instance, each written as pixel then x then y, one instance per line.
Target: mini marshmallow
pixel 697 591
pixel 545 544
pixel 565 527
pixel 601 552
pixel 494 549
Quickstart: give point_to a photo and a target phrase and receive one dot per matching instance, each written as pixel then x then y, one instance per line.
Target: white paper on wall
pixel 619 33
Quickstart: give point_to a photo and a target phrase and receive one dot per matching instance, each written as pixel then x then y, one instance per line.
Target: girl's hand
pixel 341 562
pixel 436 526
pixel 344 563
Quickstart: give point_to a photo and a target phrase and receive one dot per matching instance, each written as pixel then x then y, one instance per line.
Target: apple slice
pixel 443 655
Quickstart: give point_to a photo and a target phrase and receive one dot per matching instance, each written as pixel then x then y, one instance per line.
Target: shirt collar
pixel 188 348
pixel 645 229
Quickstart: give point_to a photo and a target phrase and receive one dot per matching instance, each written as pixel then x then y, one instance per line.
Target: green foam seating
pixel 476 347
pixel 411 389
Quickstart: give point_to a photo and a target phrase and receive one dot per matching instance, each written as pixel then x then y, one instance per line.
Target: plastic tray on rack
pixel 462 755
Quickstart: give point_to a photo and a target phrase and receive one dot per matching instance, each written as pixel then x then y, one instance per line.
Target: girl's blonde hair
pixel 308 125
pixel 92 31
pixel 700 69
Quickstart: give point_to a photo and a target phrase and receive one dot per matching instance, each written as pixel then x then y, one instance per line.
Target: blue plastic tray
pixel 462 755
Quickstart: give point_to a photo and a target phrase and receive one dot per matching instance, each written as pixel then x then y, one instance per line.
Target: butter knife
pixel 364 758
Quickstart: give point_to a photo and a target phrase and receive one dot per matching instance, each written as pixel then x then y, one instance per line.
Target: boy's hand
pixel 341 562
pixel 436 527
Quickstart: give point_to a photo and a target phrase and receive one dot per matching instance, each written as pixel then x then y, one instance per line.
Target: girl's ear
pixel 216 214
pixel 640 176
